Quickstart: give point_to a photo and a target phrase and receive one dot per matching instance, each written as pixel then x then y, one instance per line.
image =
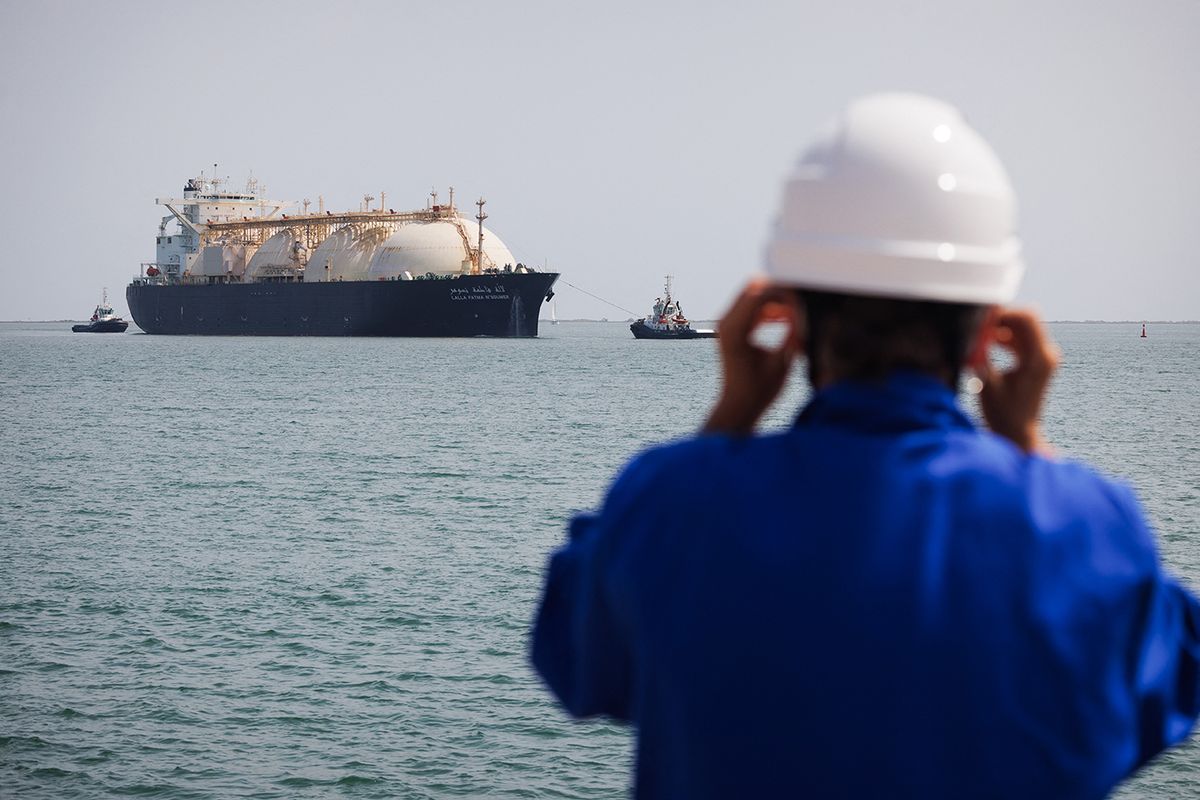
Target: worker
pixel 886 599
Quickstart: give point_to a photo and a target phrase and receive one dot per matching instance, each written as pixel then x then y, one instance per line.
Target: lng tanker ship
pixel 235 264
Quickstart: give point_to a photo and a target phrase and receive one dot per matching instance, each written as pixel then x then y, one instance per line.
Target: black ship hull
pixel 505 304
pixel 102 326
pixel 643 331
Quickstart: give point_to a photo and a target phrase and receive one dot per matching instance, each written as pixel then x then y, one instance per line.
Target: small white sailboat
pixel 553 314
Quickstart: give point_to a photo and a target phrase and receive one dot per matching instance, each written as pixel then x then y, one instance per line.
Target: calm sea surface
pixel 306 567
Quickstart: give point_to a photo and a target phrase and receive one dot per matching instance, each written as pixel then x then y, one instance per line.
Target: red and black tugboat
pixel 666 321
pixel 103 320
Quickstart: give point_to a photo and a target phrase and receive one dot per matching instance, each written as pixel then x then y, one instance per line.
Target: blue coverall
pixel 883 601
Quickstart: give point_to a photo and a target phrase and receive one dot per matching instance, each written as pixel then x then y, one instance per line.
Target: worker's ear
pixel 985 335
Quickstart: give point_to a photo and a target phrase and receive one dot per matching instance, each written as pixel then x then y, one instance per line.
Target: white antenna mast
pixel 481 216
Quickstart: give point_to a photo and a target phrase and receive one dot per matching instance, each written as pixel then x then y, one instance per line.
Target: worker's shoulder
pixel 700 461
pixel 1065 478
pixel 1065 484
pixel 708 447
pixel 1055 496
pixel 705 463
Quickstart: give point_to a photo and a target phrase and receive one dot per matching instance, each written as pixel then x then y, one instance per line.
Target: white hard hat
pixel 899 198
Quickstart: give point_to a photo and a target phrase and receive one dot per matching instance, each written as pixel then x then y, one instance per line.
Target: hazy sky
pixel 616 142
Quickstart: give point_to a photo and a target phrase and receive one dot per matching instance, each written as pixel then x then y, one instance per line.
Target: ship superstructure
pixel 220 232
pixel 230 242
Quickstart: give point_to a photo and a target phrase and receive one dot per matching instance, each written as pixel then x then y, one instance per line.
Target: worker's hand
pixel 753 375
pixel 1012 400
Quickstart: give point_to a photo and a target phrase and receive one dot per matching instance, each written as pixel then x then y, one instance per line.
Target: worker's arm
pixel 582 641
pixel 1168 670
pixel 577 646
pixel 752 376
pixel 1011 400
pixel 1165 651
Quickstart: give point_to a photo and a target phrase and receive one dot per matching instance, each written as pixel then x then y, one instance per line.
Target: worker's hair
pixel 867 338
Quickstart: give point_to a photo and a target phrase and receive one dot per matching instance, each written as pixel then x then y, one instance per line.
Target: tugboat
pixel 103 320
pixel 666 321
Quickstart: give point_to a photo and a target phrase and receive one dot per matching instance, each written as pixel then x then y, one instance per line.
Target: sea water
pixel 281 568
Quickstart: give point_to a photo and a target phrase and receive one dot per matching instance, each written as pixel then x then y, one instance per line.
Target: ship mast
pixel 481 216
